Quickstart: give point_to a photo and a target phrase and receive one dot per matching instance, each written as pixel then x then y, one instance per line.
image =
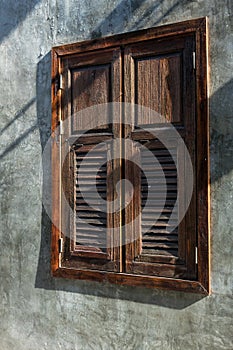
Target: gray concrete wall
pixel 38 312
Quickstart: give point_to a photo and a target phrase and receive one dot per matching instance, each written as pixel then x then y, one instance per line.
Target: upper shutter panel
pixel 89 81
pixel 159 75
pixel 90 86
pixel 158 82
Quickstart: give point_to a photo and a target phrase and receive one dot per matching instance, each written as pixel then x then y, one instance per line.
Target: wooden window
pixel 102 231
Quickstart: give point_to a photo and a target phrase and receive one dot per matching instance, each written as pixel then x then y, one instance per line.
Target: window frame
pixel 199 28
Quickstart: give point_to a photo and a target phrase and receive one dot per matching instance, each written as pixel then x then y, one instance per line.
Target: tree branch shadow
pixel 12 13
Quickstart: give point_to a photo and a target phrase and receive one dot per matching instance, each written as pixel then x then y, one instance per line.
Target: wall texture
pixel 38 312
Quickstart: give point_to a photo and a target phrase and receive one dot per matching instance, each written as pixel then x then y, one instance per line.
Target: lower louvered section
pixel 90 199
pixel 159 229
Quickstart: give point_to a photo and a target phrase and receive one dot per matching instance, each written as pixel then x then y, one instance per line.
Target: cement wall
pixel 38 312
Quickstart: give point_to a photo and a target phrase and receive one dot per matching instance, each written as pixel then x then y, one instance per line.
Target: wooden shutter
pixel 89 80
pixel 159 74
pixel 91 223
pixel 163 69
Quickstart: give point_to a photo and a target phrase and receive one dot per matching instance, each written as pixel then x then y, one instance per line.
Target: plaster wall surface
pixel 39 312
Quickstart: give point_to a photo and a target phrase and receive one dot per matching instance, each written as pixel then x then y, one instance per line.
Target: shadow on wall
pixel 221 162
pixel 12 13
pixel 221 126
pixel 10 147
pixel 117 19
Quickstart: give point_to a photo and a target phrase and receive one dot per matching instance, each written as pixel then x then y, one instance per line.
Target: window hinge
pixel 61 127
pixel 60 82
pixel 194 60
pixel 60 243
pixel 196 260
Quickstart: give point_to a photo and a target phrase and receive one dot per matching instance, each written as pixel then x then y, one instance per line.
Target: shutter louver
pixel 91 244
pixel 157 239
pixel 91 212
pixel 161 237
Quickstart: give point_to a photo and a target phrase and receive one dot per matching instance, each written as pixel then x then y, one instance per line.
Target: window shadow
pixel 221 132
pixel 43 92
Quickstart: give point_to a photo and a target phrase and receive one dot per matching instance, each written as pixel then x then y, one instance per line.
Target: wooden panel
pixel 90 86
pixel 133 280
pixel 90 80
pixel 92 244
pixel 157 239
pixel 55 164
pixel 159 75
pixel 158 86
pixel 162 240
pixel 91 213
pixel 132 200
pixel 203 159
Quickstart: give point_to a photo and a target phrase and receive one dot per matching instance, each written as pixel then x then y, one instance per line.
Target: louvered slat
pixel 91 217
pixel 157 237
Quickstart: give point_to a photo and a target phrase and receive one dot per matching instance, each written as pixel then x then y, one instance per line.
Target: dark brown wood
pixel 91 229
pixel 89 138
pixel 90 253
pixel 114 223
pixel 155 72
pixel 55 150
pixel 133 280
pixel 90 241
pixel 164 74
pixel 158 73
pixel 91 86
pixel 160 132
pixel 89 80
pixel 203 180
pixel 132 228
pixel 158 244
